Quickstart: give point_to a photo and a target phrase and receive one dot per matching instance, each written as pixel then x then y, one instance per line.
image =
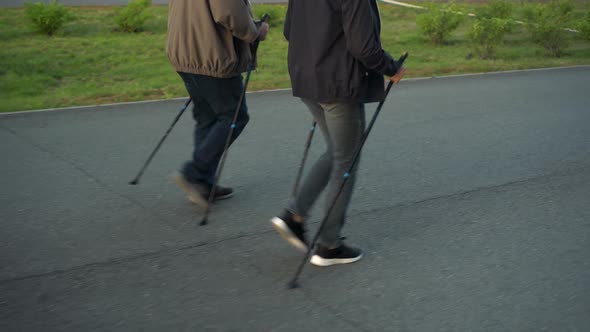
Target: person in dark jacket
pixel 209 45
pixel 336 64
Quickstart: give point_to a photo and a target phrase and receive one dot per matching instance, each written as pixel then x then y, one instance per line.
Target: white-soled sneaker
pixel 290 230
pixel 341 255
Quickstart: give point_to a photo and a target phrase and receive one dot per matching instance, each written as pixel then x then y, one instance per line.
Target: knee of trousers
pixel 344 161
pixel 327 157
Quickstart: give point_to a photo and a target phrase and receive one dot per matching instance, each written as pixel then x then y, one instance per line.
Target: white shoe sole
pixel 193 196
pixel 220 198
pixel 281 227
pixel 320 261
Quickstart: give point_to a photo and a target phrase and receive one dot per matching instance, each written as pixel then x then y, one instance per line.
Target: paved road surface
pixel 472 206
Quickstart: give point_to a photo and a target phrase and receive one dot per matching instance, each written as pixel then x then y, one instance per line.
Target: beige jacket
pixel 210 37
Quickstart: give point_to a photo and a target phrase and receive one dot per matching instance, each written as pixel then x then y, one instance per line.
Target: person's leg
pixel 319 174
pixel 213 121
pixel 342 126
pixel 196 170
pixel 290 222
pixel 215 102
pixel 345 123
pixel 222 97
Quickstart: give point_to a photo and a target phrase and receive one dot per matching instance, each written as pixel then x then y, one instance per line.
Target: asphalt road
pixel 472 207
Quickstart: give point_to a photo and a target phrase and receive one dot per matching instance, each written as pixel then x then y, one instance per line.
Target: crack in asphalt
pixel 580 167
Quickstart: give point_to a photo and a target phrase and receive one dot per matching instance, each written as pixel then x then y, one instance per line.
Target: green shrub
pixel 132 17
pixel 546 24
pixel 48 18
pixel 492 23
pixel 487 34
pixel 584 27
pixel 439 21
pixel 496 9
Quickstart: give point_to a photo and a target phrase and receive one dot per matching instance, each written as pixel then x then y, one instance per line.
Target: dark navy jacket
pixel 335 52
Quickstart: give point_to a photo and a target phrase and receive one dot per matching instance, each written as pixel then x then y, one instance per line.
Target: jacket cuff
pixel 393 67
pixel 252 34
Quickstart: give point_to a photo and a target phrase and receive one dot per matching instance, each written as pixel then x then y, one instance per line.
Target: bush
pixel 487 34
pixel 546 25
pixel 584 27
pixel 132 17
pixel 491 25
pixel 496 9
pixel 48 18
pixel 439 21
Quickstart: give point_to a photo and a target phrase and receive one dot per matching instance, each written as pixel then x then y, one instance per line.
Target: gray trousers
pixel 342 127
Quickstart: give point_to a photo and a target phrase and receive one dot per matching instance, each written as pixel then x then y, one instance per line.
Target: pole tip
pixel 203 222
pixel 293 284
pixel 134 182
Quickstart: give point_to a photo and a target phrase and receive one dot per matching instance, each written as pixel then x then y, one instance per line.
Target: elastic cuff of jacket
pixel 396 66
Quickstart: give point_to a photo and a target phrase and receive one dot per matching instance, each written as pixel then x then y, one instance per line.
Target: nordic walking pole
pixel 305 152
pixel 293 283
pixel 145 165
pixel 204 221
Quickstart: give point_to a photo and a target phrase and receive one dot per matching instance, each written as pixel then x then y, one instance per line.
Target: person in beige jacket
pixel 210 46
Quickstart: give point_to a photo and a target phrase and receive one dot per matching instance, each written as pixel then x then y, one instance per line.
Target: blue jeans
pixel 214 105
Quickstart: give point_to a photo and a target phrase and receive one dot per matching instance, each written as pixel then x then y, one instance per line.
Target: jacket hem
pixel 208 72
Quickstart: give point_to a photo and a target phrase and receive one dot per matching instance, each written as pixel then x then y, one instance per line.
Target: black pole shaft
pixel 305 153
pixel 293 282
pixel 148 161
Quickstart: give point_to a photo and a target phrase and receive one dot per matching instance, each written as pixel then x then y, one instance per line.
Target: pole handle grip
pixel 402 59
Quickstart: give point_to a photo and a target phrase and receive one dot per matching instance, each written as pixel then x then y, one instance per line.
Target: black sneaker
pixel 222 193
pixel 341 255
pixel 198 192
pixel 290 230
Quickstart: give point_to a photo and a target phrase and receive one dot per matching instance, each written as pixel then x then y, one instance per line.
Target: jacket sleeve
pixel 362 40
pixel 235 16
pixel 287 26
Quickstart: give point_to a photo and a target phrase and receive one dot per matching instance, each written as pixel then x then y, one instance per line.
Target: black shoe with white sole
pixel 341 255
pixel 222 193
pixel 290 230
